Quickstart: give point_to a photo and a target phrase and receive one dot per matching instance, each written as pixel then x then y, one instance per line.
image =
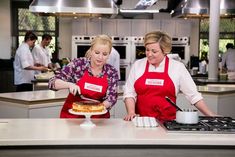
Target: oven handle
pixel 124 65
pixel 119 44
pixel 82 43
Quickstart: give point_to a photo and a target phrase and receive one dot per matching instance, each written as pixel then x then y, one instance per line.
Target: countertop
pixel 204 81
pixel 20 132
pixel 40 96
pixel 216 89
pixel 32 97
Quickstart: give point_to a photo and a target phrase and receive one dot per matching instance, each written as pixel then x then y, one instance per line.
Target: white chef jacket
pixel 228 59
pixel 23 59
pixel 177 72
pixel 41 55
pixel 114 60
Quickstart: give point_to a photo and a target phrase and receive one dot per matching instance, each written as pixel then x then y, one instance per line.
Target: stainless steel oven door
pixel 137 48
pixel 182 51
pixel 80 45
pixel 123 47
pixel 139 51
pixel 124 72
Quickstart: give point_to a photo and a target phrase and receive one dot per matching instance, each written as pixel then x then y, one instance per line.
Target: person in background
pixel 114 60
pixel 228 61
pixel 89 76
pixel 24 67
pixel 41 53
pixel 156 76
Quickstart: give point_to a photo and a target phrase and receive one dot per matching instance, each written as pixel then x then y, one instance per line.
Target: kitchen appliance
pixel 123 46
pixel 124 73
pixel 180 46
pixel 216 125
pixel 138 49
pixel 201 8
pixel 76 8
pixel 80 45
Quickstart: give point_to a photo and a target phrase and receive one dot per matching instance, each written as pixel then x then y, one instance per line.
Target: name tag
pixel 155 82
pixel 93 87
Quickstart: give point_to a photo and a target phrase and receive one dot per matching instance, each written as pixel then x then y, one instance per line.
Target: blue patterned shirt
pixel 76 69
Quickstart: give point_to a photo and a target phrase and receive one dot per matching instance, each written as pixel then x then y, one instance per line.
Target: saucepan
pixel 189 116
pixel 184 116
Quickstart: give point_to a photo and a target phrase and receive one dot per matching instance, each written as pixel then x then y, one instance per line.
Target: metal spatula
pixel 89 99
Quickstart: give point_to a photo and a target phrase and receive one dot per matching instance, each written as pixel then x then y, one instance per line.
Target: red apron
pixel 91 87
pixel 151 89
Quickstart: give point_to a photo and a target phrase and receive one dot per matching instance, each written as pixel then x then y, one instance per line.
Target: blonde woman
pixel 93 70
pixel 156 76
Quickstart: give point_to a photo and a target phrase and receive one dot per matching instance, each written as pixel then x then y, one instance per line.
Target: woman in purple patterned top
pixel 91 77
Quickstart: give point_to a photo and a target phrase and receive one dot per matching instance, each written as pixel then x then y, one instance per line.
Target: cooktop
pixel 205 124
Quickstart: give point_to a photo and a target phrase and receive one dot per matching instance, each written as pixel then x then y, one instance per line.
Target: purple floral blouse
pixel 75 70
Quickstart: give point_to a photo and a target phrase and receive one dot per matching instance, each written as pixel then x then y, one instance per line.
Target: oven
pixel 80 45
pixel 124 73
pixel 138 49
pixel 123 46
pixel 180 46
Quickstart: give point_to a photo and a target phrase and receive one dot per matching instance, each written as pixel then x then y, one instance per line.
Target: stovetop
pixel 205 124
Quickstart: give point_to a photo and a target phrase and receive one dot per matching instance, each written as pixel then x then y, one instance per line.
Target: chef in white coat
pixel 228 61
pixel 24 65
pixel 41 53
pixel 156 76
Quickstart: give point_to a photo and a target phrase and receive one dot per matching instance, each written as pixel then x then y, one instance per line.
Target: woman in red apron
pixel 149 82
pixel 89 76
pixel 151 94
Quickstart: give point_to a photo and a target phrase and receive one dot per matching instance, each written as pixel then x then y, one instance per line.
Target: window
pixel 227 34
pixel 23 21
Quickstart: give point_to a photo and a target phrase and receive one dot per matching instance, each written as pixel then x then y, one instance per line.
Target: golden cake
pixel 88 107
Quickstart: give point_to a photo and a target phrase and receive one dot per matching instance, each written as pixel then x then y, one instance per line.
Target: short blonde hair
pixel 162 38
pixel 101 39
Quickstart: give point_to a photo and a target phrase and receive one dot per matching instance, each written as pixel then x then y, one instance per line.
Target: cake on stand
pixel 87 122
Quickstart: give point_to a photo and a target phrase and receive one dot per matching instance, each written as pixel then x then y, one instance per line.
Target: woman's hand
pixel 129 117
pixel 130 107
pixel 74 89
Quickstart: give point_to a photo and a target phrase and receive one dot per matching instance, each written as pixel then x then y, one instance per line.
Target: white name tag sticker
pixel 155 82
pixel 93 87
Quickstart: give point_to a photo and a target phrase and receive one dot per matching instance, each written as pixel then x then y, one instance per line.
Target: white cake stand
pixel 87 122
